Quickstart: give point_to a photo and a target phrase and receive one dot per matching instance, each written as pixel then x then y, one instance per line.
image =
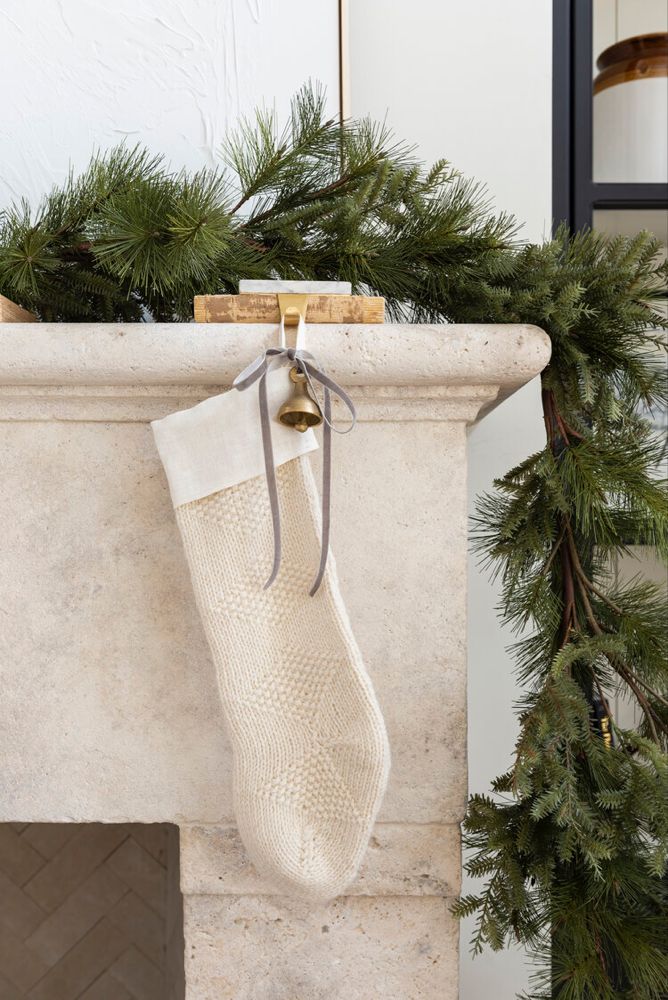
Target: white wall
pixel 465 79
pixel 472 81
pixel 171 74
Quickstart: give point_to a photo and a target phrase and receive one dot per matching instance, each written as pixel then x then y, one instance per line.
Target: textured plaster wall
pixel 171 74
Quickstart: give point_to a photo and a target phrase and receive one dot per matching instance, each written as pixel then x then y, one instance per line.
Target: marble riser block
pixel 110 710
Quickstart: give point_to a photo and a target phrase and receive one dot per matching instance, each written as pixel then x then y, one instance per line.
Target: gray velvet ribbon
pixel 257 371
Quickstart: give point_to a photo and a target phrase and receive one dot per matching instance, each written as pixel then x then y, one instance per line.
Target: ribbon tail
pixel 251 374
pixel 326 490
pixel 270 473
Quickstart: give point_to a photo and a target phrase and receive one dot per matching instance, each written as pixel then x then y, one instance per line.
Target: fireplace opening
pixel 90 911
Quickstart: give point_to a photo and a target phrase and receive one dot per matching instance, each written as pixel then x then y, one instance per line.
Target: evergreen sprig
pixel 572 844
pixel 317 200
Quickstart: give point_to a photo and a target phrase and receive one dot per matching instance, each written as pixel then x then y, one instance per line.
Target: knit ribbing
pixel 310 750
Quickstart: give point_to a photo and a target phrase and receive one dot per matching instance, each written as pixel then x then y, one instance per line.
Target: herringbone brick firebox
pixel 90 912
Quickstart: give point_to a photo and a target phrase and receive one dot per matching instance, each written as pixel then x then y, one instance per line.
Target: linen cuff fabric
pixel 218 443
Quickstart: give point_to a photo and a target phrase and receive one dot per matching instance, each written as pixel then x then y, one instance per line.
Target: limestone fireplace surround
pixel 109 707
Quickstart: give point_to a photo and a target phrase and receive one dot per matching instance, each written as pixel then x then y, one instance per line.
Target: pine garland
pixel 573 843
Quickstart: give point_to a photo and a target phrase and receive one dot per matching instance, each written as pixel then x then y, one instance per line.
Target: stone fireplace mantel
pixel 109 705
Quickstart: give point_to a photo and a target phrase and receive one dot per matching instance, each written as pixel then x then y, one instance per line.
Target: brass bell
pixel 300 411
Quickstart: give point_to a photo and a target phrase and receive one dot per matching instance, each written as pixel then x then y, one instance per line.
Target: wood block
pixel 263 308
pixel 11 313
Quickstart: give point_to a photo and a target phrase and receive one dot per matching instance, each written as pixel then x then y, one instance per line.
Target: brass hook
pixel 292 307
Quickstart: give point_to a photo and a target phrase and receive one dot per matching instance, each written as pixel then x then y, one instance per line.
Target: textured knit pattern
pixel 310 750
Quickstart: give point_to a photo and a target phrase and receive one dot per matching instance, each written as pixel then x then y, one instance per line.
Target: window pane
pixel 630 91
pixel 627 223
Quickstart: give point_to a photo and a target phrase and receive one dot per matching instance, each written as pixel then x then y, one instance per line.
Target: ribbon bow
pixel 257 371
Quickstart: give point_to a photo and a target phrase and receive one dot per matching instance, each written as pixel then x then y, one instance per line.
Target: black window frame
pixel 575 193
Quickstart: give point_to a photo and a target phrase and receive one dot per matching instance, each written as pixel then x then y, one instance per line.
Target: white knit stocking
pixel 310 749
